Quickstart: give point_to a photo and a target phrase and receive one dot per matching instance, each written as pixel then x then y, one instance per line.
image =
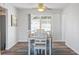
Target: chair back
pixel 40 39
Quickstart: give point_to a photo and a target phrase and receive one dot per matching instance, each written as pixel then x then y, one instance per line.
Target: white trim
pixel 72 48
pixel 22 40
pixel 58 41
pixel 7 48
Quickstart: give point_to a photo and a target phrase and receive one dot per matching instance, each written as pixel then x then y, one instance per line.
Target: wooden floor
pixel 21 48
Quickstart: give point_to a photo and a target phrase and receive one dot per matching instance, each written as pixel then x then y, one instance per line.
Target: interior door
pixel 2 32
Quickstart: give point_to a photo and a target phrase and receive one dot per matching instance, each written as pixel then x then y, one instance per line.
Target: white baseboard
pixel 72 48
pixel 58 41
pixel 7 48
pixel 22 40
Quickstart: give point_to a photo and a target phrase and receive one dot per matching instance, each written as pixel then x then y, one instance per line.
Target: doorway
pixel 2 29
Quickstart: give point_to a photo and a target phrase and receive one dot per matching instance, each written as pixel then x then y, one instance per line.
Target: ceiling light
pixel 41 7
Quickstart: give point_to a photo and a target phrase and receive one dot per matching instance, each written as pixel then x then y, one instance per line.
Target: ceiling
pixel 34 5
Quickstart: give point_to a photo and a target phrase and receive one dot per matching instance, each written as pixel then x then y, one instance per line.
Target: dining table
pixel 31 41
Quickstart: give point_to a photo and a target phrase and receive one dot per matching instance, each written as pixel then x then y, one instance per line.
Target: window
pixel 41 22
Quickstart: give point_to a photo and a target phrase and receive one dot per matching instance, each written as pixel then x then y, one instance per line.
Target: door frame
pixel 6 25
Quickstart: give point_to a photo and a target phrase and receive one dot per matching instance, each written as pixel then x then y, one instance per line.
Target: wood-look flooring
pixel 21 48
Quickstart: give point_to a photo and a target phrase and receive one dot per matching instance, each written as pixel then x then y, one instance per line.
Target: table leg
pixel 29 47
pixel 50 46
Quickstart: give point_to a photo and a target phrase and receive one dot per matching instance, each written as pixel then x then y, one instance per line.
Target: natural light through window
pixel 41 22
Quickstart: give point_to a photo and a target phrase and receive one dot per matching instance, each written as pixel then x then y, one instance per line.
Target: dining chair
pixel 40 42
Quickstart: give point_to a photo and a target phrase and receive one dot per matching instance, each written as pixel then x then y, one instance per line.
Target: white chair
pixel 40 45
pixel 40 42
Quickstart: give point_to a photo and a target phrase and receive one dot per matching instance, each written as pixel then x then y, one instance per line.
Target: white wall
pixel 70 26
pixel 57 34
pixel 22 26
pixel 22 23
pixel 10 30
